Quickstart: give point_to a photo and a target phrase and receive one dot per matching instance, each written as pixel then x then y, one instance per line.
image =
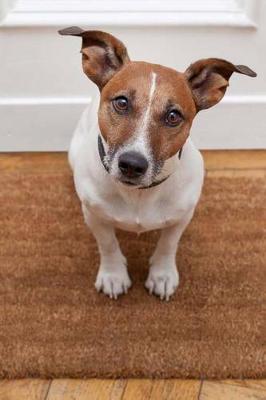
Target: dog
pixel 134 164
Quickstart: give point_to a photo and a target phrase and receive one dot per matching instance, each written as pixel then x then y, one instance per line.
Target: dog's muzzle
pixel 131 164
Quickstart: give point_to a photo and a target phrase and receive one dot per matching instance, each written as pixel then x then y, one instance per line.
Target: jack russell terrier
pixel 134 165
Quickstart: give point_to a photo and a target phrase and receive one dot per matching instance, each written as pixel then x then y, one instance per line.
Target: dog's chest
pixel 136 211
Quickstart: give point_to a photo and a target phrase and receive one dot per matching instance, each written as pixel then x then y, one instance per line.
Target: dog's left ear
pixel 102 54
pixel 209 78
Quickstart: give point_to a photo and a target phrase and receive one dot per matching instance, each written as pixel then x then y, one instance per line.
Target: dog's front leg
pixel 163 276
pixel 112 277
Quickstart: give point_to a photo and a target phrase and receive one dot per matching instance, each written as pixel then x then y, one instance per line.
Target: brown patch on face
pixel 133 83
pixel 171 92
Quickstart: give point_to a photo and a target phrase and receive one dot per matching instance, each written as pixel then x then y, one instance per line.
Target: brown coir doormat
pixel 54 324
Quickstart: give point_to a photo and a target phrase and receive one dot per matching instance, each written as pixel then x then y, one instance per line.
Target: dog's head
pixel 146 110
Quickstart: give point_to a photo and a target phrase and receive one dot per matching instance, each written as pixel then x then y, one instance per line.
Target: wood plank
pixel 214 159
pixel 175 389
pixel 233 159
pixel 162 389
pixel 226 391
pixel 237 173
pixel 24 389
pixel 44 162
pixel 138 389
pixel 90 389
pixel 249 383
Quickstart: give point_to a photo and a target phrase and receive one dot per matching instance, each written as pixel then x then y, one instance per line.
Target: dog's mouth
pixel 129 182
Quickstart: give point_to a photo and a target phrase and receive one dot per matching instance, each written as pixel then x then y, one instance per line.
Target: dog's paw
pixel 162 282
pixel 113 283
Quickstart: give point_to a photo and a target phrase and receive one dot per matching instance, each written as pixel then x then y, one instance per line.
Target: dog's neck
pixel 102 155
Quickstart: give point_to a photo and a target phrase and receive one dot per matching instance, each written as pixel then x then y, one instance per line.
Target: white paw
pixel 162 282
pixel 113 283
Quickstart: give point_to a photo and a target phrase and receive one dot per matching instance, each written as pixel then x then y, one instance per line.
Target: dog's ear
pixel 102 54
pixel 209 78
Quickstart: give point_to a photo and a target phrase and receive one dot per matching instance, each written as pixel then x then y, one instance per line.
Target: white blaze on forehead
pixel 147 112
pixel 140 136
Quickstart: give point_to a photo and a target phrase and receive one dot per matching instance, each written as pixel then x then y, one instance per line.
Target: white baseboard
pixel 47 124
pixel 233 13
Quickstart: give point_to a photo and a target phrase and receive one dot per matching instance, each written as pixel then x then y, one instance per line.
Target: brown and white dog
pixel 134 164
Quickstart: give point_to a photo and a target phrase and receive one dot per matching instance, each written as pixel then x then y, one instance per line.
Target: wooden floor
pixel 218 163
pixel 132 389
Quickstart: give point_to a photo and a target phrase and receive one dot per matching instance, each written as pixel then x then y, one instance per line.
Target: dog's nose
pixel 132 164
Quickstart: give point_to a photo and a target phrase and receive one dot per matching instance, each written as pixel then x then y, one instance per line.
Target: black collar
pixel 103 154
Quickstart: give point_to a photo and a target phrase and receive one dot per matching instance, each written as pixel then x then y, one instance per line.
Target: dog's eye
pixel 120 104
pixel 173 118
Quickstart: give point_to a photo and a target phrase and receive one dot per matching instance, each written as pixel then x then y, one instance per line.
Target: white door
pixel 43 89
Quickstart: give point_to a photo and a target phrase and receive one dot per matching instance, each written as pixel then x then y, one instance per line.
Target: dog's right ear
pixel 102 54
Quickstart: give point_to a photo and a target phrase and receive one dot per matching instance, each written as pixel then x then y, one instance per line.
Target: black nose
pixel 132 164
